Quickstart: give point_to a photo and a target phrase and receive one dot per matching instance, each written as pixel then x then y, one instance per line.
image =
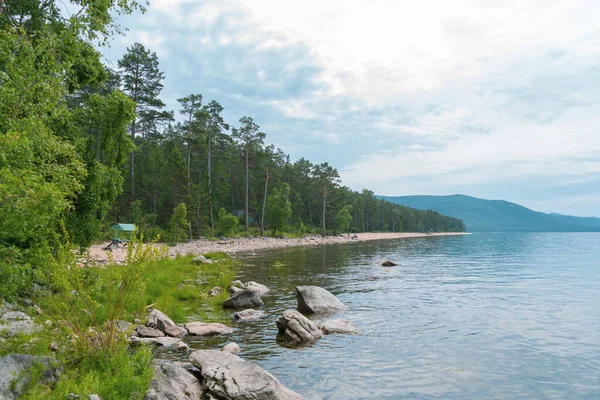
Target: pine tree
pixel 142 81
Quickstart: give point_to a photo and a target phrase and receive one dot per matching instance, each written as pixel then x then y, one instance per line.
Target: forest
pixel 83 146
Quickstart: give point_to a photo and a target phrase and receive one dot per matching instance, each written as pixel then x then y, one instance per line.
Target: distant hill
pixel 481 215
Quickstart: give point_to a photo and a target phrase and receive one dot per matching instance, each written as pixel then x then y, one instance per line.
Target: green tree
pixel 248 136
pixel 328 177
pixel 216 125
pixel 190 105
pixel 178 223
pixel 142 81
pixel 279 208
pixel 343 219
pixel 226 223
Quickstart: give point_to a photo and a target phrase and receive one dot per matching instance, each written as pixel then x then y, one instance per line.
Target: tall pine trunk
pixel 189 180
pixel 132 167
pixel 262 219
pixel 246 200
pixel 324 205
pixel 210 192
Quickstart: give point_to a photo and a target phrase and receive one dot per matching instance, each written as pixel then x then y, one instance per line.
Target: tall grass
pixel 87 301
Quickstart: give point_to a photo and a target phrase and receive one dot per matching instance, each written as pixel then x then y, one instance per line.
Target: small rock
pixel 168 341
pixel 232 348
pixel 248 315
pixel 94 397
pixel 53 346
pixel 238 284
pixel 297 328
pixel 144 331
pixel 207 328
pixel 234 290
pixel 386 263
pixel 159 320
pixel 182 346
pixel 73 396
pixel 243 299
pixel 201 260
pixel 160 341
pixel 257 288
pixel 123 326
pixel 15 322
pixel 338 326
pixel 37 309
pixel 214 292
pixel 316 300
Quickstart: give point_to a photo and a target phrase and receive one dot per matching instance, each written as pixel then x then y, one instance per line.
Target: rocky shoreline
pixel 252 244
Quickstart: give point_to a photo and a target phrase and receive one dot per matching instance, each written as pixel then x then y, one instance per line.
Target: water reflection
pixel 486 315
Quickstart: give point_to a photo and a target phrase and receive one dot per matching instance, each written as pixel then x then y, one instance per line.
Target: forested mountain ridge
pixel 481 215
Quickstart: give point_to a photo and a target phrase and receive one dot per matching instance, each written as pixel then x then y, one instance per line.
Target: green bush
pixel 226 223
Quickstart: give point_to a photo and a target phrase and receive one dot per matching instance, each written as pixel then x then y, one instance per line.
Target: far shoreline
pixel 253 244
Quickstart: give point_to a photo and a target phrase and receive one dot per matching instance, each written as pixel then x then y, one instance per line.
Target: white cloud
pixel 433 95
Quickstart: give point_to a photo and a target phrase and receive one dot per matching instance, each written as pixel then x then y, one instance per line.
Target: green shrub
pixel 226 223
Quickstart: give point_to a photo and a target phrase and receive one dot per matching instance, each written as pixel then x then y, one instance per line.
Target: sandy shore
pixel 241 245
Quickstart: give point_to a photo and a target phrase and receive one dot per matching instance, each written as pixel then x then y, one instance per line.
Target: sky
pixel 497 99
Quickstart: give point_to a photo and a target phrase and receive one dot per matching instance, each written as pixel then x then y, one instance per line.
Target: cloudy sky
pixel 493 98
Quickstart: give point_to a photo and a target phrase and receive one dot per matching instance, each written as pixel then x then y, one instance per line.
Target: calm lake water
pixel 494 316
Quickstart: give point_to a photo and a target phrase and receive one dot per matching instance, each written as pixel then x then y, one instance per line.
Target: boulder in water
pixel 340 325
pixel 248 315
pixel 243 299
pixel 257 288
pixel 316 300
pixel 226 376
pixel 297 328
pixel 386 263
pixel 207 328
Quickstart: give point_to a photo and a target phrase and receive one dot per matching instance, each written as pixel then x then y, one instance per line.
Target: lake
pixel 495 316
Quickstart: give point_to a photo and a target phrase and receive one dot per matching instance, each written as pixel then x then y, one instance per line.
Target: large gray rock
pixel 15 322
pixel 316 300
pixel 257 288
pixel 207 328
pixel 226 376
pixel 201 260
pixel 173 382
pixel 243 299
pixel 297 328
pixel 159 320
pixel 340 325
pixel 14 373
pixel 248 315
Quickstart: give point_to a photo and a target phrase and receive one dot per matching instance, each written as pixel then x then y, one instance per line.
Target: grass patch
pixel 86 302
pixel 115 375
